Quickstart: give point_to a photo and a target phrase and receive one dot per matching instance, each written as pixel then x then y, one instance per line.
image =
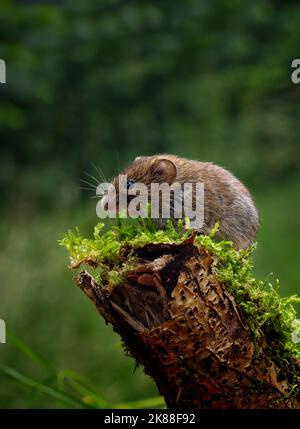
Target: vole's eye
pixel 129 183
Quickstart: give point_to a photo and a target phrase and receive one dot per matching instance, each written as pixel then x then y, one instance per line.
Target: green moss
pixel 112 252
pixel 269 316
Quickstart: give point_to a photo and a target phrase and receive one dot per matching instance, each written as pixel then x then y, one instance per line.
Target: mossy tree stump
pixel 183 325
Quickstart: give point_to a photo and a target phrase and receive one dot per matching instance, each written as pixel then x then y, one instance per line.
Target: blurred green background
pixel 86 80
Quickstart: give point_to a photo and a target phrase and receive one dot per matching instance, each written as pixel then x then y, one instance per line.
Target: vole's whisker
pixel 86 189
pixel 100 172
pixel 88 183
pixel 99 169
pixel 97 196
pixel 92 177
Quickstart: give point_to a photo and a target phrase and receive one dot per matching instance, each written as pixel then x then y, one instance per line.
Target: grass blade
pixel 29 382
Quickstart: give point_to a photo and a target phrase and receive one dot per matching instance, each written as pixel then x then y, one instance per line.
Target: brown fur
pixel 226 199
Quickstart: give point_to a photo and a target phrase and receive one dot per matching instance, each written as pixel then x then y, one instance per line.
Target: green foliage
pixel 112 251
pixel 201 79
pixel 268 315
pixel 66 387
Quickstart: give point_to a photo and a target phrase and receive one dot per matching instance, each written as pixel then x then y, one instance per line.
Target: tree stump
pixel 181 323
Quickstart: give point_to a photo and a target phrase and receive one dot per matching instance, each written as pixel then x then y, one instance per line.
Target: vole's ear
pixel 164 170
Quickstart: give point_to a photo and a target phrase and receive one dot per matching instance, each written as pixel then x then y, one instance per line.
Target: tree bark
pixel 179 321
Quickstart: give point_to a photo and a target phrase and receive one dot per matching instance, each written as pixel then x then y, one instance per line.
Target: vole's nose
pixel 104 202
